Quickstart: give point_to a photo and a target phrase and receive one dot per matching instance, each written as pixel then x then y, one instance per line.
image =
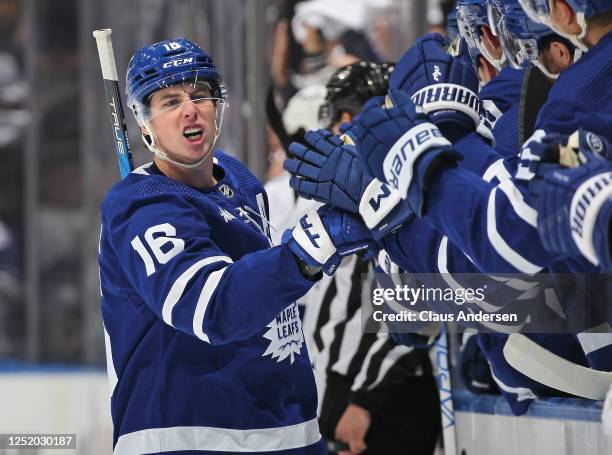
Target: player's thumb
pixel 357 445
pixel 398 99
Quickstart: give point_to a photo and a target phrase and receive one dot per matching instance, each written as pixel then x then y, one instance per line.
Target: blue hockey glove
pixel 323 237
pixel 445 85
pixel 572 187
pixel 329 170
pixel 400 146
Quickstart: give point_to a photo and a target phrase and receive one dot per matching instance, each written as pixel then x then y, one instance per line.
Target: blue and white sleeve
pixel 188 282
pixel 494 224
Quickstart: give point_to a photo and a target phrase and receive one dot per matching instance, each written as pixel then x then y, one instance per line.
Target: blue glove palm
pixel 574 203
pixel 329 170
pixel 446 86
pixel 400 146
pixel 324 237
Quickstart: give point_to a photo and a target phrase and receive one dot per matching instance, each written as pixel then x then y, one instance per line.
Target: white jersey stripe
pixel 497 169
pixel 522 393
pixel 521 208
pixel 110 365
pixel 155 440
pixel 501 247
pixel 178 287
pixel 448 278
pixel 143 169
pixel 207 291
pixel 592 342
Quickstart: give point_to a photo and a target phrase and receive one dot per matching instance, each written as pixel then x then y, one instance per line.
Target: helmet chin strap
pixel 542 68
pixel 498 63
pixel 150 144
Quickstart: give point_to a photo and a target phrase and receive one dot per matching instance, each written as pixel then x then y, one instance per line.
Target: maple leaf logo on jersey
pixel 227 216
pixel 285 335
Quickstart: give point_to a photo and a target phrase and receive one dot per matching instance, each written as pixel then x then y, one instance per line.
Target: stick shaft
pixel 113 99
pixel 446 393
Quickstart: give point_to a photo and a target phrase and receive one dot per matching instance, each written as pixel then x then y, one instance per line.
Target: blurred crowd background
pixel 57 157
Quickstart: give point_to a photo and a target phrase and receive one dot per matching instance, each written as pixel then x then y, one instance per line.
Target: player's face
pixel 491 43
pixel 183 121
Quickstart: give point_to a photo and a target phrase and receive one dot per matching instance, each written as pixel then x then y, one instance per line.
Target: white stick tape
pixel 105 52
pixel 540 364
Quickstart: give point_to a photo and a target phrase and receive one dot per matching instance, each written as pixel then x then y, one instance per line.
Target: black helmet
pixel 351 86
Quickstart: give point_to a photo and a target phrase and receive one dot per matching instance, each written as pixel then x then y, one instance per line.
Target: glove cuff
pixel 586 204
pixel 310 234
pixel 398 165
pixel 377 201
pixel 449 97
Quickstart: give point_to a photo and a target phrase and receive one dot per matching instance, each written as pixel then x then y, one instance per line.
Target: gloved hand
pixel 572 187
pixel 323 237
pixel 400 146
pixel 445 85
pixel 328 169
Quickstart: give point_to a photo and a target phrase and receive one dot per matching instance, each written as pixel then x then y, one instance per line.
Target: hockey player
pixel 500 231
pixel 333 376
pixel 415 240
pixel 588 24
pixel 542 55
pixel 205 351
pixel 564 112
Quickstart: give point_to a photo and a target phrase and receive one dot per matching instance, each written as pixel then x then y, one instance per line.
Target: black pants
pixel 407 424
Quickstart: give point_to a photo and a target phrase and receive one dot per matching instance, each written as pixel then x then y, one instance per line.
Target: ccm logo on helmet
pixel 178 62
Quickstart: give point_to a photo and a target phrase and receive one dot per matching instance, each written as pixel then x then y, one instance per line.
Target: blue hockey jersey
pixel 495 222
pixel 482 215
pixel 499 228
pixel 500 94
pixel 205 349
pixel 500 100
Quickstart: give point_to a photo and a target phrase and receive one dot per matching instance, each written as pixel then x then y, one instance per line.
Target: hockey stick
pixel 333 447
pixel 538 363
pixel 113 98
pixel 445 390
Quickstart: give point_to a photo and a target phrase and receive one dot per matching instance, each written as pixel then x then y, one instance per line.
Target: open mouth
pixel 193 134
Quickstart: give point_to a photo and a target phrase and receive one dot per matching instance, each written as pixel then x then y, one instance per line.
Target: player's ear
pixel 564 16
pixel 566 56
pixel 345 117
pixel 561 56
